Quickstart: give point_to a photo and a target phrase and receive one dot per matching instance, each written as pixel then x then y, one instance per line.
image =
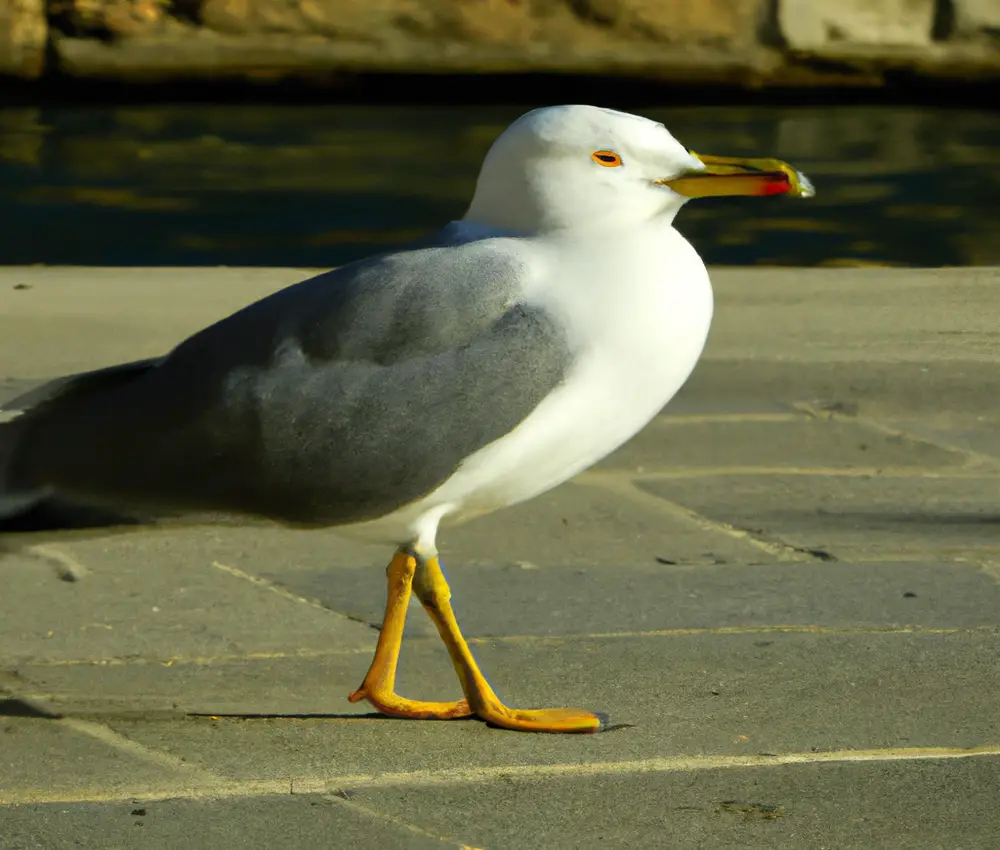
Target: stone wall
pixel 23 37
pixel 748 42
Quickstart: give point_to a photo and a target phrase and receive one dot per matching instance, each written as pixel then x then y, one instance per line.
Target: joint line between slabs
pixel 774 628
pixel 723 631
pixel 108 736
pixel 989 566
pixel 665 764
pixel 198 659
pixel 284 593
pixel 809 472
pixel 325 785
pixel 393 820
pixel 981 459
pixel 626 487
pixel 708 418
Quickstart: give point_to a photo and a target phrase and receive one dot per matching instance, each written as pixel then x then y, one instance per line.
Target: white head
pixel 584 167
pixel 573 166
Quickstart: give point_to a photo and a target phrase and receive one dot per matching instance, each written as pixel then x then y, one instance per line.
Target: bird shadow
pixel 370 715
pixel 14 707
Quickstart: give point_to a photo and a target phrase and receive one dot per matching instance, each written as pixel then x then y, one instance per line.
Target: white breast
pixel 639 314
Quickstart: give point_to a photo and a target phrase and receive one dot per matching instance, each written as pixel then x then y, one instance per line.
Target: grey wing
pixel 82 382
pixel 336 400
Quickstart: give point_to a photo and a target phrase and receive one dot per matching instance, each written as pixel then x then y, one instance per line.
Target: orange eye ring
pixel 609 159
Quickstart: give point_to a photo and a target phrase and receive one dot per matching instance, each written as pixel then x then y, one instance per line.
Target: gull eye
pixel 609 159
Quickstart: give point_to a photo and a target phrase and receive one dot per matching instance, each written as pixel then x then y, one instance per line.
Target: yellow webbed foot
pixel 432 589
pixel 378 686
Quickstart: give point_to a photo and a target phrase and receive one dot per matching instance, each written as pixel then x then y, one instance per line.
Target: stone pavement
pixel 785 591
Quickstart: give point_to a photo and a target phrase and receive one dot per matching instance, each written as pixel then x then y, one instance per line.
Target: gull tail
pixel 13 500
pixel 52 399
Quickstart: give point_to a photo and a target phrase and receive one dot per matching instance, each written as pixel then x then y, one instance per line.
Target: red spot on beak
pixel 776 186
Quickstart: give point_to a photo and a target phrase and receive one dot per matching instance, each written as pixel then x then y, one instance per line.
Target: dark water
pixel 319 185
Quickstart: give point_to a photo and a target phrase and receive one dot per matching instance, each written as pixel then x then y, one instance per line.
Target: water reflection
pixel 318 185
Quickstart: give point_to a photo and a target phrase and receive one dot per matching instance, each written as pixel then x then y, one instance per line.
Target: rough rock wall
pixel 752 42
pixel 23 36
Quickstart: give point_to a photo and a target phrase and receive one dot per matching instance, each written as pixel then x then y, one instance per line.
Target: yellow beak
pixel 737 176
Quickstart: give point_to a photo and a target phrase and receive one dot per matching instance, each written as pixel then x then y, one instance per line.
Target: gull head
pixel 585 167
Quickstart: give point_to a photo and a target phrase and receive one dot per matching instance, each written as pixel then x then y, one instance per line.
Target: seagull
pixel 470 371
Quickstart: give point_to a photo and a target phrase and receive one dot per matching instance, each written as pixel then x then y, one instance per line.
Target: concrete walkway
pixel 786 591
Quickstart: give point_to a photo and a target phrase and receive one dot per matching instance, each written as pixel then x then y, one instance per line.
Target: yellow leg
pixel 379 684
pixel 433 591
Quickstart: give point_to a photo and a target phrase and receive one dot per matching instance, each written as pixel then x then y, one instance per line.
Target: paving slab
pixel 52 757
pixel 258 822
pixel 510 599
pixel 62 320
pixel 156 593
pixel 63 316
pixel 671 442
pixel 918 316
pixel 580 524
pixel 715 693
pixel 911 805
pixel 792 568
pixel 913 339
pixel 851 517
pixel 979 433
pixel 874 388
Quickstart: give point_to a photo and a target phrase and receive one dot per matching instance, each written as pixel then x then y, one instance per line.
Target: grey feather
pixel 338 399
